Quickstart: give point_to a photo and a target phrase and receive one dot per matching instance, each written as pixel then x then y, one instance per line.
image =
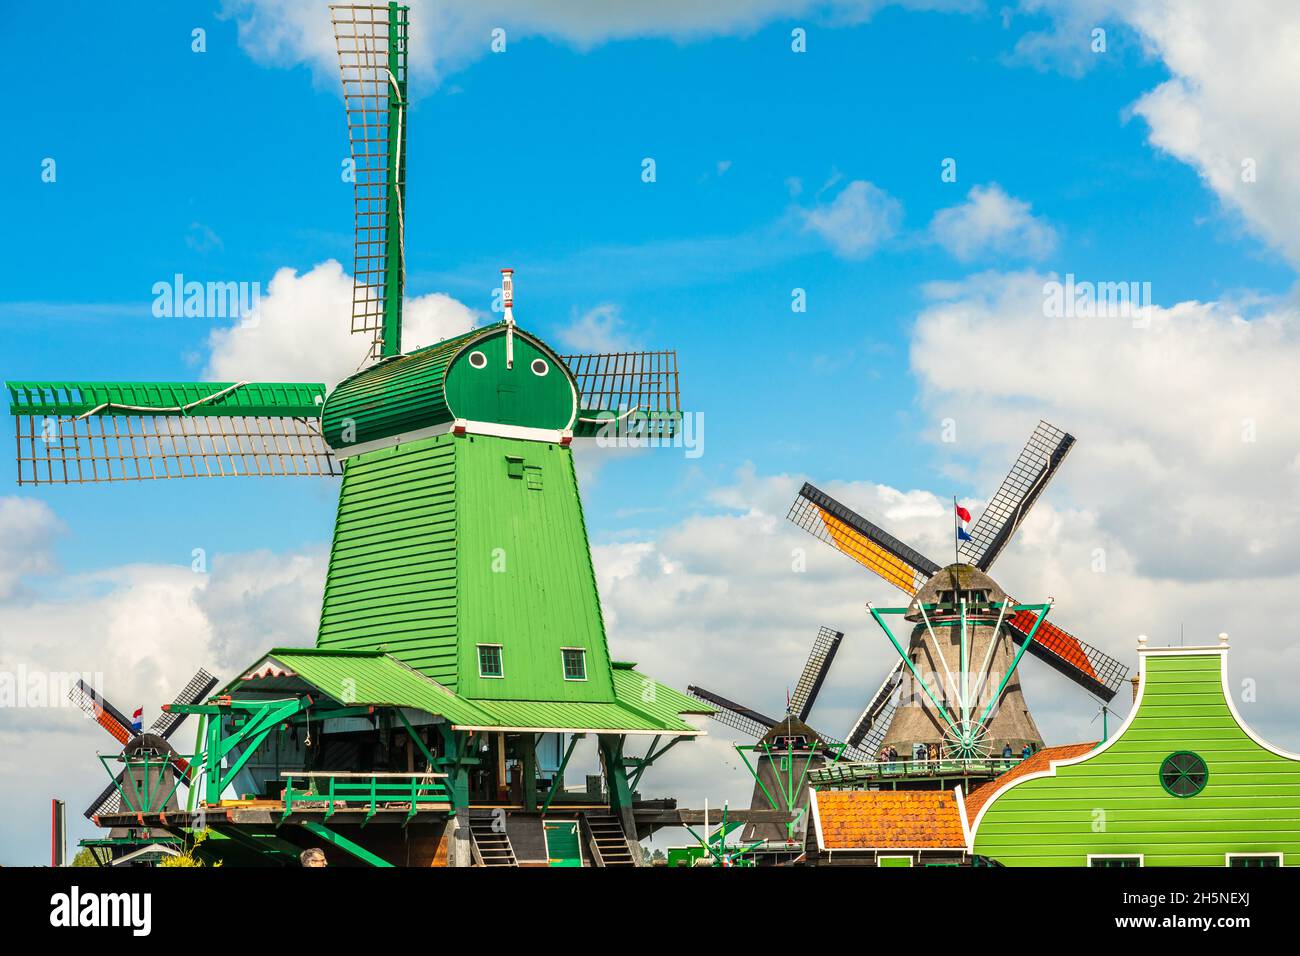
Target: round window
pixel 1184 774
pixel 540 367
pixel 477 359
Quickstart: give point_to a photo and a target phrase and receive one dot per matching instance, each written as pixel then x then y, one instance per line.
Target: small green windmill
pixel 714 847
pixel 460 548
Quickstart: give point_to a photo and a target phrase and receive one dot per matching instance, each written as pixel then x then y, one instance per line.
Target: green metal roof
pixel 395 395
pixel 280 399
pixel 367 677
pixel 658 701
pixel 371 678
pixel 543 715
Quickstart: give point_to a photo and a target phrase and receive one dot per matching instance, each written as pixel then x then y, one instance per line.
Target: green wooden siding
pixel 524 557
pixel 1113 803
pixel 424 526
pixel 392 575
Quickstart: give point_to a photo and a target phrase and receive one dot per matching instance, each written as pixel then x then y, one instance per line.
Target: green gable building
pixel 1184 782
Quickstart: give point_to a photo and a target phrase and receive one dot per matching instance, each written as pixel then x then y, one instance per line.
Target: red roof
pixel 889 819
pixel 1040 760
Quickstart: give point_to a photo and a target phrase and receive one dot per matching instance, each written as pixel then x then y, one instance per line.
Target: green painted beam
pixel 343 843
pixel 395 267
pixel 279 399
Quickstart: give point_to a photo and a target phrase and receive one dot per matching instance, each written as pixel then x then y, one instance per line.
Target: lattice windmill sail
pixel 96 706
pixel 911 572
pixel 637 391
pixel 1034 467
pixel 372 49
pixel 80 432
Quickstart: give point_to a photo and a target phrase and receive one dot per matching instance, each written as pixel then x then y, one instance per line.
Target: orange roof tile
pixel 889 819
pixel 1040 760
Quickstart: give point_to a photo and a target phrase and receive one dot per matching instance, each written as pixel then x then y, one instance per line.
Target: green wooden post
pixel 452 763
pixel 620 794
pixel 212 767
pixel 529 770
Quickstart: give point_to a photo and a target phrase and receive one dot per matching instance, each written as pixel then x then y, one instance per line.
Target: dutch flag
pixel 963 519
pixel 137 720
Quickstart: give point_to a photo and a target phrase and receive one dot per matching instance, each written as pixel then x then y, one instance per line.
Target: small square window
pixel 1115 861
pixel 575 663
pixel 489 661
pixel 1263 859
pixel 514 466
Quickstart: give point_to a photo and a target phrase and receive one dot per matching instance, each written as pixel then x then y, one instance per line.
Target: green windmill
pixel 461 653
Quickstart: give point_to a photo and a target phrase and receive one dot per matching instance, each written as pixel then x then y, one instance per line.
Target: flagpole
pixel 956 555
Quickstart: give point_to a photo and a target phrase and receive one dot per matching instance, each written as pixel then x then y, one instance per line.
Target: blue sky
pixel 532 158
pixel 224 165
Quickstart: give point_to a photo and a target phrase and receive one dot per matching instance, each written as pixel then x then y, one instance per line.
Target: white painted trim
pixel 574 680
pixel 966 833
pixel 817 818
pixel 1280 857
pixel 1245 727
pixel 1053 764
pixel 1144 653
pixel 501 657
pixel 351 451
pixel 1140 857
pixel 552 435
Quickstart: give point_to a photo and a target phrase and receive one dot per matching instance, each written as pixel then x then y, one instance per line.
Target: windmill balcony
pixel 854 776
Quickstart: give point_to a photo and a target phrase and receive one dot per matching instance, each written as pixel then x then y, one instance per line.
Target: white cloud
pixel 599 329
pixel 1188 436
pixel 446 35
pixel 300 331
pixel 28 530
pixel 857 221
pixel 145 629
pixel 991 223
pixel 1231 67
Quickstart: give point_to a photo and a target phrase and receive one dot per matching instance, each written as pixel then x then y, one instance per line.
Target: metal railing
pixel 894 769
pixel 369 791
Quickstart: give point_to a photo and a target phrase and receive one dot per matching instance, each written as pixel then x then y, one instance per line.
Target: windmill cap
pixel 948 585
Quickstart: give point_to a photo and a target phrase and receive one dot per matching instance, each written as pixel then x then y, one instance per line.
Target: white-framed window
pixel 1117 859
pixel 1252 859
pixel 540 367
pixel 491 662
pixel 477 359
pixel 574 660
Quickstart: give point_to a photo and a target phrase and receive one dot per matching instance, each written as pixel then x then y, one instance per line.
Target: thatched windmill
pixel 955 685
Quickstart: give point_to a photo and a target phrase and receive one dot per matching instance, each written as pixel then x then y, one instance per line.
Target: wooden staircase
pixel 491 847
pixel 608 842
